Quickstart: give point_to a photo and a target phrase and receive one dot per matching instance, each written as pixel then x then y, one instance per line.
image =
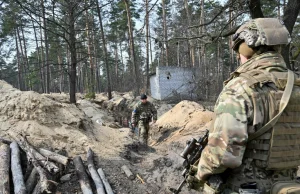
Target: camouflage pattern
pixel 260 31
pixel 143 131
pixel 141 116
pixel 241 109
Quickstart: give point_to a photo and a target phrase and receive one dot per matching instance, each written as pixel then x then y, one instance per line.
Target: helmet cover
pixel 261 31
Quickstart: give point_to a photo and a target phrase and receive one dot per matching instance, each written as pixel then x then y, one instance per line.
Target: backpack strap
pixel 283 103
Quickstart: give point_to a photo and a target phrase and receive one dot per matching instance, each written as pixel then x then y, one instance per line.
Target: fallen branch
pixel 95 176
pixel 50 166
pixel 17 175
pixel 45 184
pixel 82 176
pixel 54 156
pixel 4 169
pixel 105 182
pixel 6 141
pixel 128 172
pixel 142 181
pixel 28 170
pixel 32 180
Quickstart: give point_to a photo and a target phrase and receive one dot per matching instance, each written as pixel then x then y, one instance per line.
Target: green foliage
pixel 90 95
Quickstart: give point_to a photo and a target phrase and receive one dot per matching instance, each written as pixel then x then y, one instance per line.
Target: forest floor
pixel 49 121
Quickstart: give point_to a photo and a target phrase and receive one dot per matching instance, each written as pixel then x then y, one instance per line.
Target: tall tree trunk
pixel 232 55
pixel 38 58
pixel 147 48
pixel 201 30
pixel 61 71
pixel 150 46
pixel 46 49
pixel 178 55
pixel 72 45
pixel 20 80
pixel 165 33
pixel 104 52
pixel 132 53
pixel 24 72
pixel 122 64
pixel 191 42
pixel 116 67
pixel 42 56
pixel 97 75
pixel 25 57
pixel 91 87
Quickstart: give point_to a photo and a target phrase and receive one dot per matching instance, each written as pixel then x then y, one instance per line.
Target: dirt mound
pixel 45 121
pixel 187 118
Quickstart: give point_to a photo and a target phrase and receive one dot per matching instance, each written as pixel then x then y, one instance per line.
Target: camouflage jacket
pixel 143 111
pixel 240 111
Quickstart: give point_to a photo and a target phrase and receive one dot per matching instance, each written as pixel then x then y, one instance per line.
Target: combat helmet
pixel 261 31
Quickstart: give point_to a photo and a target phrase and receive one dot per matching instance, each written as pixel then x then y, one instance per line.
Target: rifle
pixel 191 154
pixel 133 129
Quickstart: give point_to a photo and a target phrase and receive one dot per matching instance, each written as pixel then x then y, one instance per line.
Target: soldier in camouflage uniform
pixel 246 104
pixel 142 114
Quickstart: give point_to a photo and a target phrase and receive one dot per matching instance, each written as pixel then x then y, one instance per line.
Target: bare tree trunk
pixel 150 45
pixel 132 53
pixel 46 49
pixel 165 33
pixel 4 169
pixel 201 30
pixel 23 61
pixel 104 52
pixel 38 58
pixel 117 82
pixel 178 55
pixel 20 80
pixel 25 56
pixel 147 48
pixel 91 87
pixel 61 72
pixel 42 57
pixel 18 179
pixel 72 45
pixel 191 42
pixel 232 66
pixel 97 73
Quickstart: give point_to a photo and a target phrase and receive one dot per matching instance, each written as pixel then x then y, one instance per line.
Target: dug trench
pixel 50 122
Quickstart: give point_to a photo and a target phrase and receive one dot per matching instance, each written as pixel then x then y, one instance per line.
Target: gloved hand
pixel 195 183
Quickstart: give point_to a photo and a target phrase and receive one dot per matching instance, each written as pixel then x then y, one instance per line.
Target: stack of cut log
pixel 43 169
pixel 98 177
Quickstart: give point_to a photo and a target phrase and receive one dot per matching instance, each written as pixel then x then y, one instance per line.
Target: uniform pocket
pixel 285 187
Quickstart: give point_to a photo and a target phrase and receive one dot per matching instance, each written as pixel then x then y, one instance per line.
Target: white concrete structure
pixel 176 83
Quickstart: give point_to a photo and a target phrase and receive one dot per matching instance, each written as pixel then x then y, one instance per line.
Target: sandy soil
pixel 51 122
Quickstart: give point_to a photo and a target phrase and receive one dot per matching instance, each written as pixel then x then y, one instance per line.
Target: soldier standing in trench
pixel 142 114
pixel 250 140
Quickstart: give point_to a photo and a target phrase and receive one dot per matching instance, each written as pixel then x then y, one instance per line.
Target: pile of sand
pixel 187 118
pixel 45 121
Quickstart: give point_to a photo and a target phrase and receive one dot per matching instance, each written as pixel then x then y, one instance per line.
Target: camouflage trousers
pixel 143 131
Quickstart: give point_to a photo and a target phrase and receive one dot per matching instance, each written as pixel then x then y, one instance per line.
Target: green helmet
pixel 261 31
